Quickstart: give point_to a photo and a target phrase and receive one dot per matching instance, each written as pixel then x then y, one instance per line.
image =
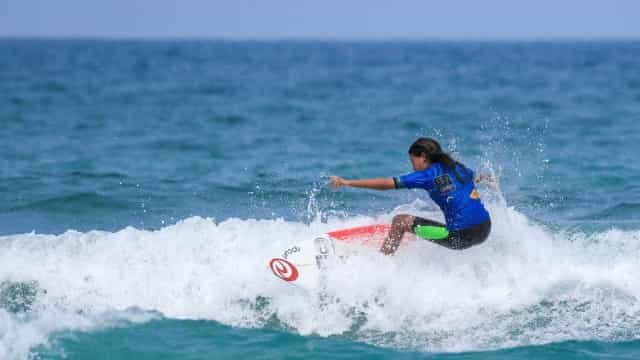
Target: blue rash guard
pixel 460 202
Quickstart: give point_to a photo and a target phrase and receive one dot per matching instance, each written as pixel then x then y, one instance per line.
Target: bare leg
pixel 400 224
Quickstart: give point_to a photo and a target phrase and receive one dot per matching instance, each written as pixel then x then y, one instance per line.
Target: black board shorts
pixel 458 239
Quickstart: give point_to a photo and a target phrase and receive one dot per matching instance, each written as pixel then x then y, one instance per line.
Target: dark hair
pixel 434 153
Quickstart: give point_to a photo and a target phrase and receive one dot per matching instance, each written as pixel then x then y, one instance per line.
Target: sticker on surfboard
pixel 283 269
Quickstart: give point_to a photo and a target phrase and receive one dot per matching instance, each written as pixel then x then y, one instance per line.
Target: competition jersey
pixel 460 202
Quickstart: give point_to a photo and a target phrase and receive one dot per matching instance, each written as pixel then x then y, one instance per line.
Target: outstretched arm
pixel 376 184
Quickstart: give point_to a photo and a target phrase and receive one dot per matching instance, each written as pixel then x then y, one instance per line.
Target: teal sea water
pixel 145 184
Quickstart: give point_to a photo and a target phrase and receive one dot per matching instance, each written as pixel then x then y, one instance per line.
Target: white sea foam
pixel 524 285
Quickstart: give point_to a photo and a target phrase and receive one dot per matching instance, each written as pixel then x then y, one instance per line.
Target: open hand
pixel 488 180
pixel 337 182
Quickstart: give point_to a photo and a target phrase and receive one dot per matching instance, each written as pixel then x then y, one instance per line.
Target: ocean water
pixel 145 184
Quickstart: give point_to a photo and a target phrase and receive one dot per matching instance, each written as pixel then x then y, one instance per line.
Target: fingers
pixel 336 182
pixel 491 181
pixel 487 179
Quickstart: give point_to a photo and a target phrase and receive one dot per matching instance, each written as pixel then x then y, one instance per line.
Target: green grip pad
pixel 432 232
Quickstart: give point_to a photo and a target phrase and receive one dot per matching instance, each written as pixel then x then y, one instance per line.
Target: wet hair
pixel 433 151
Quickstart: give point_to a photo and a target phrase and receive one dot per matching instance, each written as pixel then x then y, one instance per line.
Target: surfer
pixel 450 184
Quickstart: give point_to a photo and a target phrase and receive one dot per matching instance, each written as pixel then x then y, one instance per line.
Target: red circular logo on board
pixel 283 269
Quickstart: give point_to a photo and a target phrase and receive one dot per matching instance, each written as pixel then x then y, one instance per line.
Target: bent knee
pixel 403 220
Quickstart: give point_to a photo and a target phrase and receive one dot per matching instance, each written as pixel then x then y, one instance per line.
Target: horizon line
pixel 354 39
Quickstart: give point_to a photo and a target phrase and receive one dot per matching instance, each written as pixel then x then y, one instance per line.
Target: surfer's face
pixel 419 162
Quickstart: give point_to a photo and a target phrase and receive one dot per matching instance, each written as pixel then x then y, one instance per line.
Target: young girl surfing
pixel 450 184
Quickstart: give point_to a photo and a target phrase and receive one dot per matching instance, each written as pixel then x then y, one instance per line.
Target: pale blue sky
pixel 325 19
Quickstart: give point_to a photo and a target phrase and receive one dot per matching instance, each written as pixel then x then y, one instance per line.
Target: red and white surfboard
pixel 302 263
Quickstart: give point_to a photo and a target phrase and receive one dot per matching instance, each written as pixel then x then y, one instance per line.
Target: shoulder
pixel 418 179
pixel 436 168
pixel 464 170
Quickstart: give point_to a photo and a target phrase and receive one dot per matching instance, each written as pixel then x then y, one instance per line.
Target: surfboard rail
pixel 376 231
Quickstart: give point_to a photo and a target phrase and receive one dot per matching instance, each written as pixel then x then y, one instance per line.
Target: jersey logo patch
pixel 475 195
pixel 443 183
